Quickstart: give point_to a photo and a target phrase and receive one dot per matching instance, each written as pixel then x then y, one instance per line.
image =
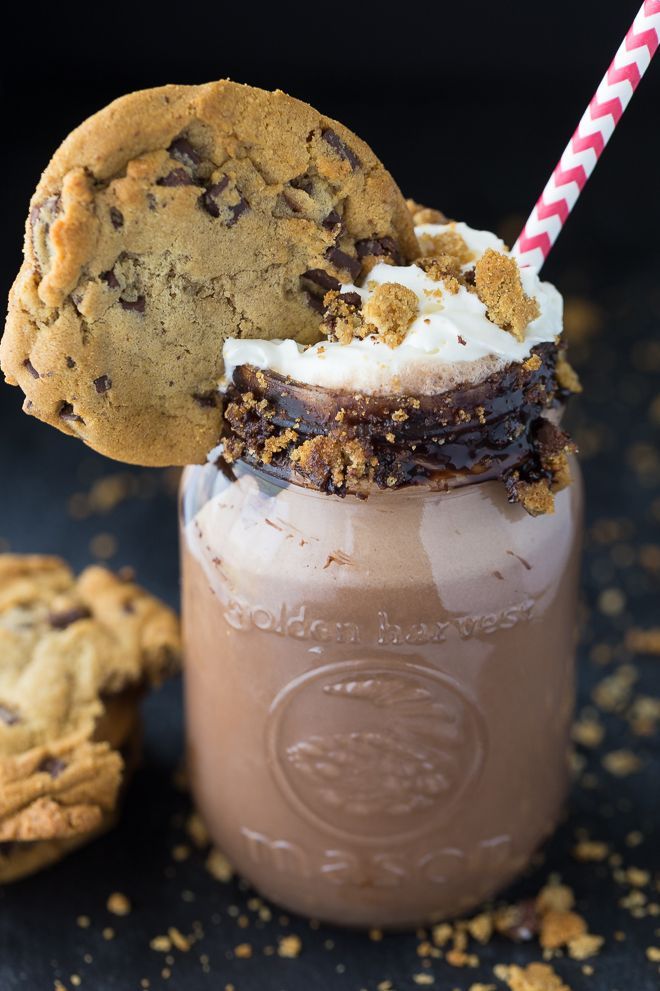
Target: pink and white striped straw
pixel 593 132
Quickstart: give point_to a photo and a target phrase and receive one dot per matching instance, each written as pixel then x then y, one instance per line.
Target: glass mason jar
pixel 379 692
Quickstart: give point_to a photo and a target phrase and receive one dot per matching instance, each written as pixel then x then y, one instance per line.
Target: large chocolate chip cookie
pixel 172 219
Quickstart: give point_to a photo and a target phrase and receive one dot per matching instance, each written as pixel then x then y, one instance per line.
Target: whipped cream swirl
pixel 451 340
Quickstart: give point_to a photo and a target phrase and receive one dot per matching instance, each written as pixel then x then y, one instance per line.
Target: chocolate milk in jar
pixel 379 690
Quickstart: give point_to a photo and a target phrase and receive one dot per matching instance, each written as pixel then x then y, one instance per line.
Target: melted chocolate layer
pixel 490 429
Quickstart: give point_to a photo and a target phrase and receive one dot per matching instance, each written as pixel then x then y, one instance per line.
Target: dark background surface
pixel 469 106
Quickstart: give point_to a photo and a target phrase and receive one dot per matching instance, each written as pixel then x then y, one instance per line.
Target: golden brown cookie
pixel 170 220
pixel 75 655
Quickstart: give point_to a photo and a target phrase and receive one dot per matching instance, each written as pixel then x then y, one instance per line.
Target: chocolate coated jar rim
pixel 470 433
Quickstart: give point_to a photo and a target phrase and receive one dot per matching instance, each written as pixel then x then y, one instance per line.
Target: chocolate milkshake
pixel 380 578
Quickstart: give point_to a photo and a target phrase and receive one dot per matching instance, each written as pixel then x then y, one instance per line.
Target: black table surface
pixel 53 500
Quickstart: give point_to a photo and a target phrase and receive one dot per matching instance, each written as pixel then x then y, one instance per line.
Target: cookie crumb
pixel 391 309
pixel 498 285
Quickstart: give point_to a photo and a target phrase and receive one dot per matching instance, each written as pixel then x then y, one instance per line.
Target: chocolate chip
pixel 209 202
pixel 237 210
pixel 461 340
pixel 290 203
pixel 208 198
pixel 70 363
pixel 182 150
pixel 352 299
pixel 110 279
pixel 206 399
pixel 66 413
pixel 469 277
pixel 60 620
pixel 343 261
pixel 177 177
pixel 332 138
pixel 31 369
pixel 53 766
pixel 102 384
pixel 316 302
pixel 379 246
pixel 8 716
pixel 303 182
pixel 116 217
pixel 331 220
pixel 319 277
pixel 137 305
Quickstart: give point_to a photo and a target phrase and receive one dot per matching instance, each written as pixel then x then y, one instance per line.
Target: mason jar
pixel 379 690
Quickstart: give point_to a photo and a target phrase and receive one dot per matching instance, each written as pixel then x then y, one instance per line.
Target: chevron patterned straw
pixel 593 132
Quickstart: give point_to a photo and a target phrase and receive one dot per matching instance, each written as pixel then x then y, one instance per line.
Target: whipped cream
pixel 451 340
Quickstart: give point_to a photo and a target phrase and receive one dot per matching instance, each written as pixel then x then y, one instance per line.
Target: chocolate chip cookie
pixel 172 219
pixel 75 657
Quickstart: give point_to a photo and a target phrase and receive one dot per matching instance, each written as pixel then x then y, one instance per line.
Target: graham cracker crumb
pixel 588 732
pixel 554 898
pixel 197 831
pixel 118 904
pixel 591 850
pixel 391 309
pixel 278 443
pixel 161 944
pixel 533 363
pixel 218 866
pixel 643 641
pixel 322 457
pixel 440 267
pixel 399 416
pixel 289 946
pixel 180 941
pixel 567 377
pixel 481 927
pixel 459 958
pixel 424 214
pixel 533 977
pixel 558 928
pixel 621 763
pixel 449 244
pixel 498 285
pixel 585 946
pixel 535 497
